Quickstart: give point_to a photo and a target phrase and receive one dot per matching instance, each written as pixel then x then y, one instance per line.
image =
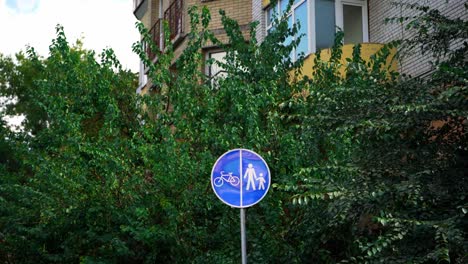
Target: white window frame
pixel 209 68
pixel 142 78
pixel 339 15
pixel 311 19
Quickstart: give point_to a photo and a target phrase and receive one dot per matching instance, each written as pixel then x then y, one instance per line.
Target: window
pixel 319 19
pixel 298 14
pixel 325 26
pixel 352 19
pixel 215 71
pixel 142 78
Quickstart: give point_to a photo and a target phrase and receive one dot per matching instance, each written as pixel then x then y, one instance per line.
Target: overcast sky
pixel 101 23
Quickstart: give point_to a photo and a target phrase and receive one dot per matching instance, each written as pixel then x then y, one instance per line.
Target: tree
pixel 17 81
pixel 64 200
pixel 390 173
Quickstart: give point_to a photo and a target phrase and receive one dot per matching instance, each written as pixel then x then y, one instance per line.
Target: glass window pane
pixel 215 69
pixel 270 15
pixel 283 5
pixel 289 38
pixel 300 14
pixel 324 23
pixel 352 24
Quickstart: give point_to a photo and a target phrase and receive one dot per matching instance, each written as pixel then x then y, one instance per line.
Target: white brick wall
pixel 259 15
pixel 414 64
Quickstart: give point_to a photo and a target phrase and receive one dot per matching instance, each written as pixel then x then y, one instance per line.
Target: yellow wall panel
pixel 367 50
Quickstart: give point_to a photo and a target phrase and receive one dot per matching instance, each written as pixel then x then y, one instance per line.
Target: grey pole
pixel 243 236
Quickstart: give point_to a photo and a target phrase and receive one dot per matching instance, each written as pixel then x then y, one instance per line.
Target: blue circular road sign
pixel 240 178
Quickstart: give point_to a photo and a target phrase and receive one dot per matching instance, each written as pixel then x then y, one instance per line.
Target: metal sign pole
pixel 227 182
pixel 243 236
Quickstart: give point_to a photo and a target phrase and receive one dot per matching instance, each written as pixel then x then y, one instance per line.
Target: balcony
pixel 137 3
pixel 173 15
pixel 367 50
pixel 139 8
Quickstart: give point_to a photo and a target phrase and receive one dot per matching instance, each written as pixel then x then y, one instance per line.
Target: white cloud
pixel 22 6
pixel 102 23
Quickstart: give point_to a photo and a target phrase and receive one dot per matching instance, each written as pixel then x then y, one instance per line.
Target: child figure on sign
pixel 261 180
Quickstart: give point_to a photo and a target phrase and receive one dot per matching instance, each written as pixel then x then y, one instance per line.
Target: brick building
pixel 379 32
pixel 152 12
pixel 361 20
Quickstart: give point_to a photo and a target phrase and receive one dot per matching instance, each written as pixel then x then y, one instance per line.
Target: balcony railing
pixel 155 33
pixel 173 16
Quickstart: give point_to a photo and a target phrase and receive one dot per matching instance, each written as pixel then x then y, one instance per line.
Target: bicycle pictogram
pixel 226 177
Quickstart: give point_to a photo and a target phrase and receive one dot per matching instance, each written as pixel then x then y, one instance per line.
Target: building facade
pixel 362 21
pixel 380 32
pixel 152 12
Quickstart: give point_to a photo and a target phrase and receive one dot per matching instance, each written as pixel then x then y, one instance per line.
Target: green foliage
pixel 390 167
pixel 17 79
pixel 360 171
pixel 68 188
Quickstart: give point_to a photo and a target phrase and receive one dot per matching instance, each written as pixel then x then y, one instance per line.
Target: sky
pixel 100 23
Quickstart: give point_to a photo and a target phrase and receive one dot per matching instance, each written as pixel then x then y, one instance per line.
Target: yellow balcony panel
pixel 265 3
pixel 367 50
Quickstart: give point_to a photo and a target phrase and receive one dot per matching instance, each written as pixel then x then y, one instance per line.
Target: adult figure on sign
pixel 250 175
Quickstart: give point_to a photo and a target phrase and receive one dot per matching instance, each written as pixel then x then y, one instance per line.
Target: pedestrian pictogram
pixel 240 178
